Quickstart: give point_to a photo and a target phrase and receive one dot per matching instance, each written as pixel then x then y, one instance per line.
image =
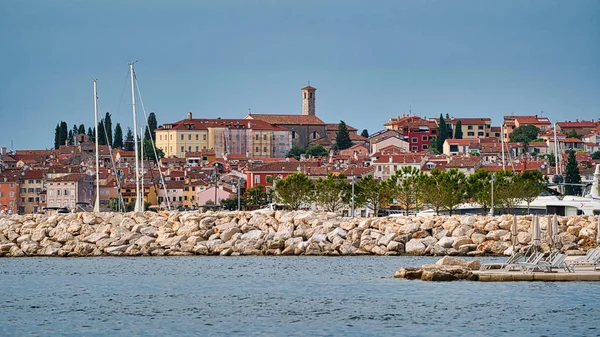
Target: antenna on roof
pixel 12 146
pixel 309 83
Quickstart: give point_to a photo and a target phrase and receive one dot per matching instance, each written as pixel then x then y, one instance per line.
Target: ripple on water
pixel 350 296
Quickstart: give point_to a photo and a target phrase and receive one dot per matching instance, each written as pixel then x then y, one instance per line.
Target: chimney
pixel 189 116
pixel 390 159
pixel 249 125
pixel 3 150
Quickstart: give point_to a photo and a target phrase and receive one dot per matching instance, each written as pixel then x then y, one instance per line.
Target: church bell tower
pixel 308 100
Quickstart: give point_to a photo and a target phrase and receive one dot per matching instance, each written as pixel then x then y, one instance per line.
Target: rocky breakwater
pixel 272 233
pixel 446 269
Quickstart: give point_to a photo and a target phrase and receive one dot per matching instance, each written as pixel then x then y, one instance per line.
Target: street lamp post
pixel 492 208
pixel 238 192
pixel 216 182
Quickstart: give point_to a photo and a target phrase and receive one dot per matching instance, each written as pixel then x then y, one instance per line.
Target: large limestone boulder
pixel 445 242
pixel 93 238
pixel 415 247
pixel 228 233
pixel 461 241
pixel 451 261
pixel 253 235
pixel 524 238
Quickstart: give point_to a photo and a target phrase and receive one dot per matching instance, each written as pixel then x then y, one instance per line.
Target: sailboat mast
pixel 135 139
pixel 142 160
pixel 97 202
pixel 502 146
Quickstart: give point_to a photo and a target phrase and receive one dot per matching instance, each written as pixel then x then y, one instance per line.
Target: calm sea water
pixel 277 296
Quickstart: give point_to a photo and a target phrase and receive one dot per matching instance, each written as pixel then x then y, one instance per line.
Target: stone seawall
pixel 274 233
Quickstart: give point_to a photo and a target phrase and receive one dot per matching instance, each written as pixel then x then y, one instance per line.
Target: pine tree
pixel 342 140
pixel 572 176
pixel 108 128
pixel 118 141
pixel 458 134
pixel 57 137
pixel 63 133
pixel 442 134
pixel 152 125
pixel 81 129
pixel 129 145
pixel 365 133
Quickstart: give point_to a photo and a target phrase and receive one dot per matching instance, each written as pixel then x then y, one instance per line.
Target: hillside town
pixel 209 160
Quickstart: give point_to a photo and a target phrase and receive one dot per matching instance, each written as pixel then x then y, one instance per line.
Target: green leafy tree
pixel 129 145
pixel 507 191
pixel 458 134
pixel 118 139
pixel 572 176
pixel 573 134
pixel 342 139
pixel 149 151
pixel 365 133
pixel 480 187
pixel 406 187
pixel 294 191
pixel 81 129
pixel 596 155
pixel 454 186
pixel 152 125
pixel 372 193
pixel 550 158
pixel 333 192
pixel 316 151
pixel 442 135
pixel 295 152
pixel 256 196
pixel 532 184
pixel 107 129
pixel 524 134
pixel 431 189
pixel 57 137
pixel 231 204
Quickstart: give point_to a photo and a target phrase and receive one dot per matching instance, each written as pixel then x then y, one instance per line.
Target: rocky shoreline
pixel 275 233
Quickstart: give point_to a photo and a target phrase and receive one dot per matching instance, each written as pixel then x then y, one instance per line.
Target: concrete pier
pixel 557 276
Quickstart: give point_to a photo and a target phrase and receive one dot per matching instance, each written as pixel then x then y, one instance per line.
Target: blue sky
pixel 369 60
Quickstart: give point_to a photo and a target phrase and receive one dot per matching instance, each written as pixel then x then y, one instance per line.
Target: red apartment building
pixel 416 131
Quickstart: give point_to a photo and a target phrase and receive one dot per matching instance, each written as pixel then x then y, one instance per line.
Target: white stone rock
pixel 415 247
pixel 253 235
pixel 93 238
pixel 446 242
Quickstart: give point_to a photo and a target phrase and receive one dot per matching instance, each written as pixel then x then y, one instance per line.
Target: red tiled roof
pixel 538 144
pixel 571 140
pixel 405 158
pixel 576 124
pixel 472 121
pixel 462 161
pixel 69 177
pixel 335 127
pixel 281 119
pixel 462 142
pixel 34 174
pixel 284 166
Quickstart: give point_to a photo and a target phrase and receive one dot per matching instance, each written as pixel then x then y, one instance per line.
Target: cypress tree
pixel 101 134
pixel 129 145
pixel 70 137
pixel 57 137
pixel 365 133
pixel 118 141
pixel 90 134
pixel 572 176
pixel 81 129
pixel 63 133
pixel 108 126
pixel 458 134
pixel 342 140
pixel 152 125
pixel 442 134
